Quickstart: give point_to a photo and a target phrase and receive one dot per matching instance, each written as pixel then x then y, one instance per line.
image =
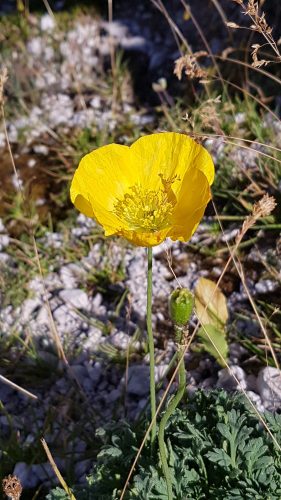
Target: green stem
pixel 169 411
pixel 161 381
pixel 151 343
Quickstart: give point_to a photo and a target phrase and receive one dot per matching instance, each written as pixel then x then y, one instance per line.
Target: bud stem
pixel 151 344
pixel 174 402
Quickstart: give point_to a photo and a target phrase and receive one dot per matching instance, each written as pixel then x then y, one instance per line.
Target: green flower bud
pixel 181 304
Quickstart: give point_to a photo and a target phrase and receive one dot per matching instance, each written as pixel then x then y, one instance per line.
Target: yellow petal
pixel 103 173
pixel 102 177
pixel 83 205
pixel 193 198
pixel 119 185
pixel 145 239
pixel 169 154
pixel 203 161
pixel 158 155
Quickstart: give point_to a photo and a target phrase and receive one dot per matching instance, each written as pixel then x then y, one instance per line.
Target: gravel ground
pixel 95 387
pixel 87 323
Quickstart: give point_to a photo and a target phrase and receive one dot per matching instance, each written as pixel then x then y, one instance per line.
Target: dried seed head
pixel 12 487
pixel 252 8
pixel 257 63
pixel 260 25
pixel 190 66
pixel 264 207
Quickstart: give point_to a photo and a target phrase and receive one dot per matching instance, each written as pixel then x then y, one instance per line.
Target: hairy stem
pixel 169 411
pixel 151 343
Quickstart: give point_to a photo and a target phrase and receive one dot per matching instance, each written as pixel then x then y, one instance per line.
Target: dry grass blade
pixel 220 11
pixel 53 328
pixel 170 265
pixel 48 9
pixel 55 334
pixel 261 209
pixel 252 96
pixel 247 65
pixel 3 79
pixel 56 470
pixel 17 387
pixel 112 57
pixel 180 39
pixel 259 415
pixel 208 48
pixel 260 24
pixel 225 137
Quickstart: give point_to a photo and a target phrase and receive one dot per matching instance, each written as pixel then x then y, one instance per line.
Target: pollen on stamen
pixel 144 211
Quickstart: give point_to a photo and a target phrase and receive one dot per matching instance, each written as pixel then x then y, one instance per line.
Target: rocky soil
pixel 95 302
pixel 101 334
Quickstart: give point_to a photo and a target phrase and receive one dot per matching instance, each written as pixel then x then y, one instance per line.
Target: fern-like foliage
pixel 218 450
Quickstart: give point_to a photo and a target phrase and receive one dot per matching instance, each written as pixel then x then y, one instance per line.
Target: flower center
pixel 145 211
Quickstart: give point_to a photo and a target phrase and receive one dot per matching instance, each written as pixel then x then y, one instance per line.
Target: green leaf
pixel 216 450
pixel 212 338
pixel 57 494
pixel 255 455
pixel 111 451
pixel 220 457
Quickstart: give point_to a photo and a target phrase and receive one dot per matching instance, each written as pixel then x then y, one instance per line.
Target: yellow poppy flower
pixel 156 188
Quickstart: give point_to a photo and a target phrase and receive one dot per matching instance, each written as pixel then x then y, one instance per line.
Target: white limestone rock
pixel 269 387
